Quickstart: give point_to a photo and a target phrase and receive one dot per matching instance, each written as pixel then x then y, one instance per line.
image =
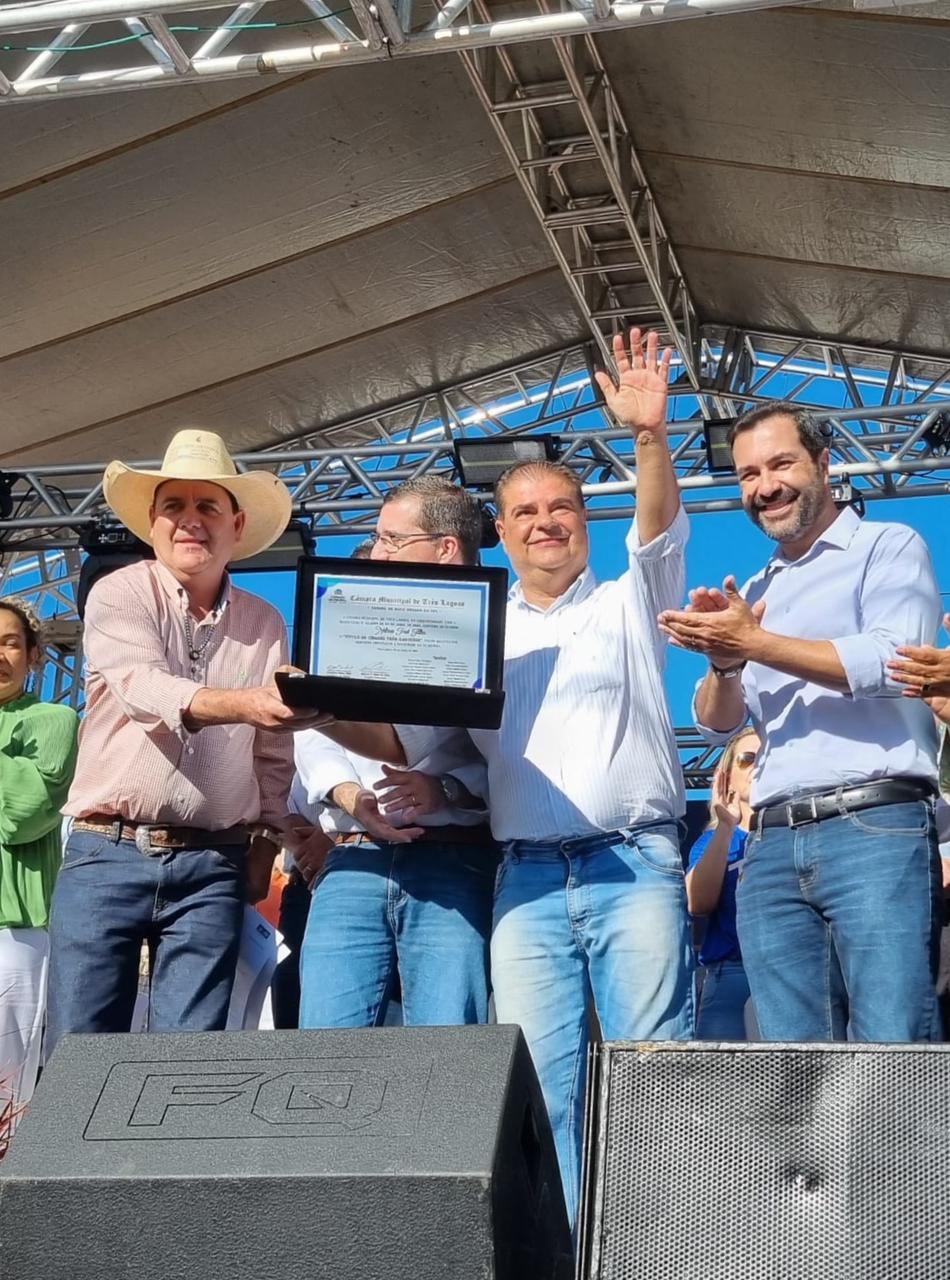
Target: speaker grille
pixel 761 1162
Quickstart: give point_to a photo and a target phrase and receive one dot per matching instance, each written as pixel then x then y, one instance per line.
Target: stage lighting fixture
pixel 489 532
pixel 7 480
pixel 108 546
pixel 299 538
pixel 718 450
pixel 844 494
pixel 937 435
pixel 480 462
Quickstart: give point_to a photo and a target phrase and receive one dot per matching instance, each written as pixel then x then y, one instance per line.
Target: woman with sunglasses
pixel 37 758
pixel 711 880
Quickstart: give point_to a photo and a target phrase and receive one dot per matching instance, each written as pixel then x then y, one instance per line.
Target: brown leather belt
pixel 480 835
pixel 161 837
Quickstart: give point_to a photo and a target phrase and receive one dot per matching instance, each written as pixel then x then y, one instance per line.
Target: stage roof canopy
pixel 269 256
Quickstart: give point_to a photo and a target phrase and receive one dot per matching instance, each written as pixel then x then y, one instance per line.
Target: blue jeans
pixel 848 907
pixel 584 921
pixel 722 1002
pixel 187 904
pixel 419 911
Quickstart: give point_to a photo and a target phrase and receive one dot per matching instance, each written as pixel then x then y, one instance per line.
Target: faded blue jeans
pixel 596 920
pixel 852 906
pixel 188 904
pixel 722 1002
pixel 421 912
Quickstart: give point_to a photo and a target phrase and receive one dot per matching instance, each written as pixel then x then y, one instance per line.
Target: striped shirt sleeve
pixel 124 643
pixel 656 578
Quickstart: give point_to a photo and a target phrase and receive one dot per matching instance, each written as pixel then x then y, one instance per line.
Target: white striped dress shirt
pixel 586 743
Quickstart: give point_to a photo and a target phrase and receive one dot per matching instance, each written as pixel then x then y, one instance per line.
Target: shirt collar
pixel 177 594
pixel 579 590
pixel 840 533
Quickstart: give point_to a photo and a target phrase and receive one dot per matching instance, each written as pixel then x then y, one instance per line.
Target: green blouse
pixel 37 759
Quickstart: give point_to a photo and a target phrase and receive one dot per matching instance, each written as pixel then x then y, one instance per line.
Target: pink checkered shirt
pixel 136 758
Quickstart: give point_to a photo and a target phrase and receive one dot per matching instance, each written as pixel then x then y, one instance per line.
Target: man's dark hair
pixel 813 435
pixel 446 508
pixel 363 550
pixel 235 505
pixel 537 467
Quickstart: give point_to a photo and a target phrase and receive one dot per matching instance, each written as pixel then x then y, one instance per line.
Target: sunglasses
pixel 745 758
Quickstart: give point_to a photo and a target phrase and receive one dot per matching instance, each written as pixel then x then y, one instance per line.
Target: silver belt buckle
pixel 799 813
pixel 143 841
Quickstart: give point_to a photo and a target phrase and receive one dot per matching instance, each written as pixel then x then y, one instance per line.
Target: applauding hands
pixel 716 623
pixel 924 671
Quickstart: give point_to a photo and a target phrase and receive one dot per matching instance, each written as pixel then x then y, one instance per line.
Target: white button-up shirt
pixel 323 765
pixel 868 588
pixel 586 743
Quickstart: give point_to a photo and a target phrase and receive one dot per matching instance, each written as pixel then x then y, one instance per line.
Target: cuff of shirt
pixel 715 737
pixel 322 782
pixel 673 538
pixel 864 667
pixel 416 742
pixel 181 694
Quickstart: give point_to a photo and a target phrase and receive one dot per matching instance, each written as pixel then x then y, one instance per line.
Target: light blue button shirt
pixel 867 587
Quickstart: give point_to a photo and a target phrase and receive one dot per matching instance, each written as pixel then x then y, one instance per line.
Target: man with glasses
pixel 406 891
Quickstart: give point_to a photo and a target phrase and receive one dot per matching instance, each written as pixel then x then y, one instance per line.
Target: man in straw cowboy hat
pixel 185 754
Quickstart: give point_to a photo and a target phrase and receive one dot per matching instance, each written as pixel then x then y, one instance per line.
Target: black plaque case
pixel 389 701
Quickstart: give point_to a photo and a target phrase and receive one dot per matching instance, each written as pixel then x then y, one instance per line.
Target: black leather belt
pixel 831 804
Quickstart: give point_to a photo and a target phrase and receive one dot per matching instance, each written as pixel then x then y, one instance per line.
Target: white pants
pixel 23 965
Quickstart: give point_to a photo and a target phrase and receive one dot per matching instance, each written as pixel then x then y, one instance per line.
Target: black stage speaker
pixel 390 1154
pixel 768 1162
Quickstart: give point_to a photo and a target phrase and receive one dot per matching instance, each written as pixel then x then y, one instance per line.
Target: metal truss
pixel 87 33
pixel 890 413
pixel 697 758
pixel 886 410
pixel 560 124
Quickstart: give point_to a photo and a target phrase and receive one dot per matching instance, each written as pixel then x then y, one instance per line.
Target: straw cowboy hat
pixel 201 455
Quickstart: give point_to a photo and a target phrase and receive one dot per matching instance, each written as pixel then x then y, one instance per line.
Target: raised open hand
pixel 725 805
pixel 639 400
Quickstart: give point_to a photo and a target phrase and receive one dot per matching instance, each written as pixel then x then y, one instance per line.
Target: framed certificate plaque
pixel 399 643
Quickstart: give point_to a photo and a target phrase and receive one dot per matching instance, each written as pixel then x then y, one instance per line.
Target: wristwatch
pixel 457 795
pixel 452 789
pixel 726 673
